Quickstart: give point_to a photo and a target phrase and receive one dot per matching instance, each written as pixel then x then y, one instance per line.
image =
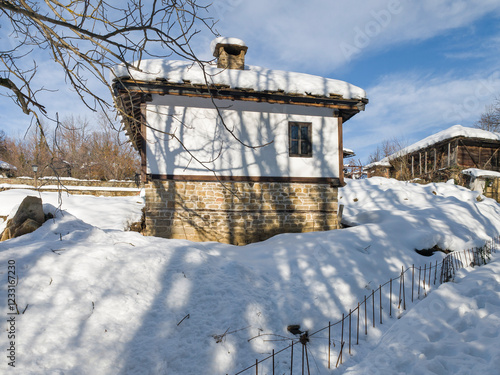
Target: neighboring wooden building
pixel 483 181
pixel 442 156
pixel 6 169
pixel 382 168
pixel 353 169
pixel 233 153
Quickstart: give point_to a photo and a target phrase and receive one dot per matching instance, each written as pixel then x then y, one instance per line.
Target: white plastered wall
pixel 195 122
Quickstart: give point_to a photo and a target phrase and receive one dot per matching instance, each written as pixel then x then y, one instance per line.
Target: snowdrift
pixel 99 300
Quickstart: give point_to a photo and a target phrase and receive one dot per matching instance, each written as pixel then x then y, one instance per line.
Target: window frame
pixel 300 141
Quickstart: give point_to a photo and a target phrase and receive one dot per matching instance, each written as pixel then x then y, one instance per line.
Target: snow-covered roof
pixel 252 77
pixel 381 163
pixel 348 153
pixel 6 166
pixel 481 173
pixel 223 40
pixel 452 132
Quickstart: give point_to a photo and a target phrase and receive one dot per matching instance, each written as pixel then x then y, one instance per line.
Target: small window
pixel 300 138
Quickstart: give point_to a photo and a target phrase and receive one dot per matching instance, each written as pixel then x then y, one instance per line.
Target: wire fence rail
pixel 412 284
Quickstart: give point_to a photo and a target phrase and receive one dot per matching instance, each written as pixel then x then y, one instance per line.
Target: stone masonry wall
pixel 237 212
pixel 68 182
pixel 74 186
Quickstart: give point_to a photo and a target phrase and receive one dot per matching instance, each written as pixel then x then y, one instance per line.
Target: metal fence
pixel 385 302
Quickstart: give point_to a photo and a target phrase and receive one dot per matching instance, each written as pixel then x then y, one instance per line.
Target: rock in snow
pixel 28 218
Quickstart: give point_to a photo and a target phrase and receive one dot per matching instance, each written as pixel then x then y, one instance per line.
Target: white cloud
pixel 413 107
pixel 324 35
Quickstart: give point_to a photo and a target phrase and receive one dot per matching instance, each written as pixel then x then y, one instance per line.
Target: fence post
pixel 329 342
pixel 273 361
pixel 373 307
pixel 303 349
pixel 291 361
pixel 380 302
pixel 340 355
pixel 412 280
pixel 419 269
pixel 429 278
pixel 404 293
pixel 342 338
pixel 366 320
pixel 357 332
pixel 307 360
pixel 442 271
pixel 425 272
pixel 350 313
pixel 400 286
pixel 390 298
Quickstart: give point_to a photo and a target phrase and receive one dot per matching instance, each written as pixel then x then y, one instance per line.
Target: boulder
pixel 28 226
pixel 6 234
pixel 28 218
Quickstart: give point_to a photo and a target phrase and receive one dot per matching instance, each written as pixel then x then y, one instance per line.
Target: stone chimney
pixel 230 53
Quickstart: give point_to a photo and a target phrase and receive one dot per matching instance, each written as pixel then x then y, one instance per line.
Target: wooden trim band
pixel 347 107
pixel 256 211
pixel 334 182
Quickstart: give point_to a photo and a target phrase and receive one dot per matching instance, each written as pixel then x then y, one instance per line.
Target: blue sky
pixel 426 65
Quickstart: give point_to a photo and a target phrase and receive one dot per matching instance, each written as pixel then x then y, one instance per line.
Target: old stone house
pixel 235 153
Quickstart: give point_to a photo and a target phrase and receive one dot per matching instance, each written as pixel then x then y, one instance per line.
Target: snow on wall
pixel 253 77
pixel 196 123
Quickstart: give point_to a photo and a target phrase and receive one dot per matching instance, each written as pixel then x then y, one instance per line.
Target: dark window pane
pixel 294 147
pixel 304 133
pixel 305 147
pixel 294 132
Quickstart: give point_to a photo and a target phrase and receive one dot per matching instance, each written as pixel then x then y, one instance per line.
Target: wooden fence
pixel 412 284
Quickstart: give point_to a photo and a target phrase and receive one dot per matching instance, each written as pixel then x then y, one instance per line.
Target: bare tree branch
pixel 490 119
pixel 88 37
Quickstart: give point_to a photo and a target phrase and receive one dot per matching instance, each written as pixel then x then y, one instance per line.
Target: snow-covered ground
pixel 99 300
pixel 455 330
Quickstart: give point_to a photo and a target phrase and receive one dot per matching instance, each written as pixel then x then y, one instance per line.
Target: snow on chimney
pixel 230 53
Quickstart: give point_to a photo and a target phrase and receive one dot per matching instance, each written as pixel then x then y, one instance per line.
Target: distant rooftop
pixel 6 166
pixel 450 133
